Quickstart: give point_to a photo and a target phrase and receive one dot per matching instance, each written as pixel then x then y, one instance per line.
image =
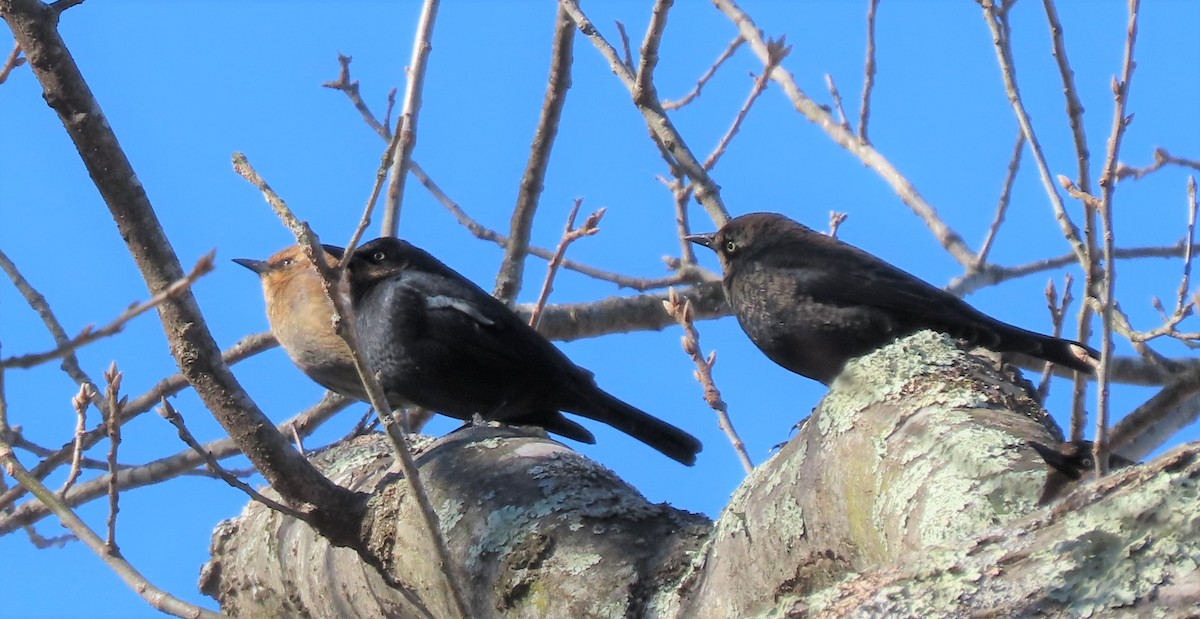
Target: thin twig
pixel 512 266
pixel 1183 306
pixel 156 597
pixel 169 413
pixel 681 310
pixel 1074 106
pixel 247 347
pixel 624 36
pixel 708 75
pixel 950 240
pixel 992 274
pixel 1161 158
pixel 1058 312
pixel 570 235
pixel 19 441
pixel 681 198
pixel 864 109
pixel 779 51
pixel 350 88
pixel 80 403
pixel 836 220
pixel 997 21
pixel 643 88
pixel 409 112
pixel 14 60
pixel 1014 164
pixel 380 174
pixel 112 394
pixel 1185 280
pixel 203 267
pixel 38 304
pixel 693 275
pixel 835 96
pixel 1108 185
pixel 1146 428
pixel 706 189
pixel 181 463
pixel 690 274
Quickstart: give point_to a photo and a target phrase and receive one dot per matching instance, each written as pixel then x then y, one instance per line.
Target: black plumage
pixel 440 342
pixel 811 302
pixel 1069 464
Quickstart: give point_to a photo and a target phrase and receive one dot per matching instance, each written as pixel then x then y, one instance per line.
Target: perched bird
pixel 301 318
pixel 439 341
pixel 811 302
pixel 1069 464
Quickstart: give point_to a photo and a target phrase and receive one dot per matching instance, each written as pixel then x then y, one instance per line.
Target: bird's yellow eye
pixel 730 246
pixel 1088 463
pixel 378 256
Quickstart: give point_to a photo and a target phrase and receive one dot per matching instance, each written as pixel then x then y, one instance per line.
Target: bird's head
pixel 1074 459
pixel 378 260
pixel 288 265
pixel 291 284
pixel 744 236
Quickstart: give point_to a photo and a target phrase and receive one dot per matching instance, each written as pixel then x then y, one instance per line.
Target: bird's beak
pixel 258 266
pixel 1053 458
pixel 706 240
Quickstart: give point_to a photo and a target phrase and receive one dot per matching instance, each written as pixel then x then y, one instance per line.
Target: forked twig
pixel 203 267
pixel 169 413
pixel 669 104
pixel 570 235
pixel 681 310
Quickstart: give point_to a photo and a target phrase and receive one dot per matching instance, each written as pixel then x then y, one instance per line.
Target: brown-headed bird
pixel 440 342
pixel 811 302
pixel 301 318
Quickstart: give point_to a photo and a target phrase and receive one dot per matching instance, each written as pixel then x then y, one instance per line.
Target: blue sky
pixel 186 84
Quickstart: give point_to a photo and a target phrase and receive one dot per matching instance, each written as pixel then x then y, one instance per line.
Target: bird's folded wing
pixel 481 329
pixel 839 274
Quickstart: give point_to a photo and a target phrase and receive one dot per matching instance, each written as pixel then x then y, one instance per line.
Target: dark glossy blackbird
pixel 1069 464
pixel 440 342
pixel 811 302
pixel 301 318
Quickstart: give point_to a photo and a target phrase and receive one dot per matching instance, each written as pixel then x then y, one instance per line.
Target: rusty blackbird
pixel 439 341
pixel 811 302
pixel 1070 463
pixel 301 318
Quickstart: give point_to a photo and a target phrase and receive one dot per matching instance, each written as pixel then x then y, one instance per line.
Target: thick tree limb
pixel 918 456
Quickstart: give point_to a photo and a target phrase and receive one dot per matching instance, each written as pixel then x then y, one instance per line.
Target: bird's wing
pixel 840 274
pixel 463 318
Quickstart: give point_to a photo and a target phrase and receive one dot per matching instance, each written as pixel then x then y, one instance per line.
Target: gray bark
pixel 910 491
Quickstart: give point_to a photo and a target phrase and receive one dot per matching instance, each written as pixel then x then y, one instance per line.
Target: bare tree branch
pixel 946 236
pixel 512 267
pixel 409 112
pixel 34 27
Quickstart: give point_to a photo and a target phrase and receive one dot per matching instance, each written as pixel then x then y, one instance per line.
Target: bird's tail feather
pixel 1068 353
pixel 556 423
pixel 666 438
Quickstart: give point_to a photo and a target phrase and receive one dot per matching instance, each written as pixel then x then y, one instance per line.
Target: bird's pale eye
pixel 287 262
pixel 1087 463
pixel 378 256
pixel 730 246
